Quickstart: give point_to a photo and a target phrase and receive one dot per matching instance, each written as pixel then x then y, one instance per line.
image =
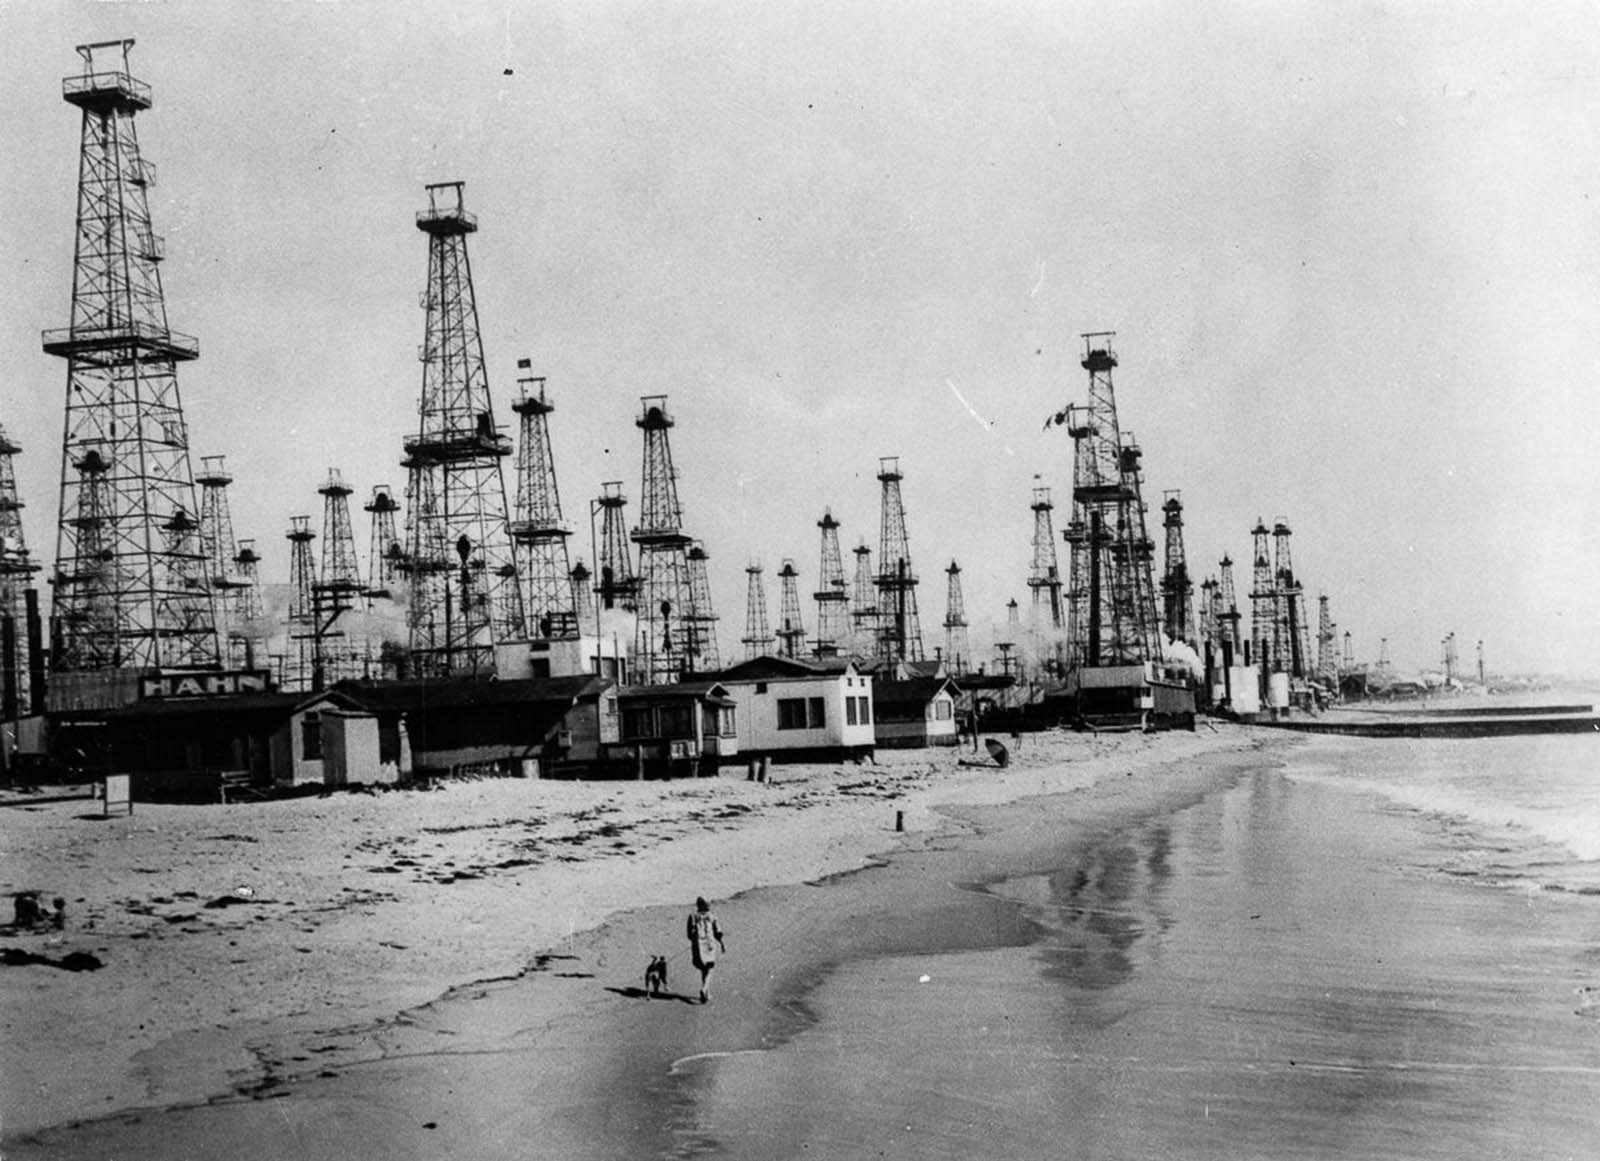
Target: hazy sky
pixel 1350 253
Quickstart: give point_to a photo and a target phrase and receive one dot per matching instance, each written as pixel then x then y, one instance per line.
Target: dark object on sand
pixel 655 977
pixel 998 752
pixel 25 909
pixel 73 961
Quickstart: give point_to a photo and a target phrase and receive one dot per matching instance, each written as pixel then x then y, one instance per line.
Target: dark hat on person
pixel 700 904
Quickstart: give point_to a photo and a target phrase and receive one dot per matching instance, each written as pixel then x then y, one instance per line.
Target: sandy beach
pixel 233 938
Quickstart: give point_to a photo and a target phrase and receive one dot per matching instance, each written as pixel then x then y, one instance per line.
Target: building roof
pixel 712 691
pixel 770 666
pixel 913 691
pixel 237 705
pixel 461 693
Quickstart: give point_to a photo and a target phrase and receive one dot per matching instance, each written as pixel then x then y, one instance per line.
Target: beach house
pixel 794 709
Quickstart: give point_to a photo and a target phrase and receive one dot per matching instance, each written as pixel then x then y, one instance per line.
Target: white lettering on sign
pixel 203 684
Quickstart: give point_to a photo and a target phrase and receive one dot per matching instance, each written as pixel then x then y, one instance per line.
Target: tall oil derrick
pixel 619 584
pixel 757 639
pixel 16 577
pixel 1228 614
pixel 899 630
pixel 1266 645
pixel 303 650
pixel 537 526
pixel 864 598
pixel 1327 645
pixel 1111 598
pixel 1349 659
pixel 700 622
pixel 661 652
pixel 1294 627
pixel 338 585
pixel 221 558
pixel 1177 589
pixel 582 594
pixel 957 652
pixel 1206 612
pixel 1044 578
pixel 122 598
pixel 465 595
pixel 832 596
pixel 792 634
pixel 386 556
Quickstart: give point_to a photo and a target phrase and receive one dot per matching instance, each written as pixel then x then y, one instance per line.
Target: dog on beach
pixel 655 976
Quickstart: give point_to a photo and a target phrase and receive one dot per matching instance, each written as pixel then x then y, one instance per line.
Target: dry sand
pixel 233 937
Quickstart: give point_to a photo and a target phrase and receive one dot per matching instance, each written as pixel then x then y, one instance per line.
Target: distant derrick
pixel 221 553
pixel 864 603
pixel 1111 598
pixel 386 557
pixel 1265 629
pixel 674 634
pixel 16 577
pixel 757 639
pixel 1327 646
pixel 832 594
pixel 248 614
pixel 465 593
pixel 337 587
pixel 1206 613
pixel 957 652
pixel 302 662
pixel 618 587
pixel 899 629
pixel 1177 589
pixel 537 526
pixel 701 620
pixel 1294 632
pixel 128 578
pixel 1044 577
pixel 1228 614
pixel 792 632
pixel 579 580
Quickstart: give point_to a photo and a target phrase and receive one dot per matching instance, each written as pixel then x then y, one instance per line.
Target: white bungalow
pixel 802 709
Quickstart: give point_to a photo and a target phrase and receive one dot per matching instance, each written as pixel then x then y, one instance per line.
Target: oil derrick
pixel 338 584
pixel 1294 629
pixel 465 596
pixel 831 596
pixel 899 630
pixel 16 577
pixel 619 584
pixel 386 557
pixel 304 651
pixel 700 622
pixel 661 651
pixel 1327 645
pixel 247 611
pixel 792 636
pixel 757 639
pixel 1267 647
pixel 864 599
pixel 582 595
pixel 1008 663
pixel 537 526
pixel 1228 614
pixel 122 599
pixel 1207 611
pixel 221 557
pixel 1044 579
pixel 1111 599
pixel 957 653
pixel 1177 590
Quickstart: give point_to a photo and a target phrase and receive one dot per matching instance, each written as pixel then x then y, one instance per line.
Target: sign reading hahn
pixel 203 684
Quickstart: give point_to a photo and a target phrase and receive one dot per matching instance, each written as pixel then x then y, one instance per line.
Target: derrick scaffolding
pixel 16 581
pixel 662 647
pixel 831 596
pixel 537 526
pixel 1111 596
pixel 899 630
pixel 130 589
pixel 465 592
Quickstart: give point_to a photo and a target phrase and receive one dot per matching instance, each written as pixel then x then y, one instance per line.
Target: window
pixel 819 716
pixel 866 711
pixel 677 721
pixel 791 713
pixel 730 723
pixel 942 710
pixel 849 711
pixel 638 722
pixel 311 738
pixel 761 687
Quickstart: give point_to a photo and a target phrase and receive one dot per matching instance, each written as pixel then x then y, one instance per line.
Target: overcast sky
pixel 1350 253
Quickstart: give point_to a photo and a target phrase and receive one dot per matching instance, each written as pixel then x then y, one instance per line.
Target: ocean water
pixel 1385 949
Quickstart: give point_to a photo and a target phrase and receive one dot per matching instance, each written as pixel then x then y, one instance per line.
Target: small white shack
pixel 793 709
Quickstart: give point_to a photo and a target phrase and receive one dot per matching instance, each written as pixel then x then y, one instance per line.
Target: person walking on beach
pixel 705 941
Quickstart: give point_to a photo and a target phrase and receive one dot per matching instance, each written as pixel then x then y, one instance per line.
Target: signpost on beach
pixel 117 794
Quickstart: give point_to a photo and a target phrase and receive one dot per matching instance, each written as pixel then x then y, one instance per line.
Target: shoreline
pixel 442 925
